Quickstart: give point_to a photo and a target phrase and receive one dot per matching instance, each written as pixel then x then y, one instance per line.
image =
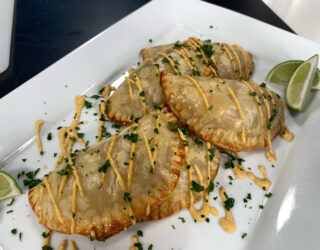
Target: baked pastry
pixel 204 161
pixel 141 91
pixel 236 115
pixel 113 183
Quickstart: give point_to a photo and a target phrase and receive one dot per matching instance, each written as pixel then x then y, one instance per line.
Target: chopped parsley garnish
pixel 88 104
pixel 73 214
pixel 45 247
pixel 268 195
pixel 182 219
pixel 20 174
pixel 229 202
pixel 210 108
pixel 173 126
pixel 185 143
pixel 173 227
pixel 141 93
pixel 240 160
pixel 150 247
pixel 211 155
pixel 10 211
pixel 165 60
pixel 116 126
pixel 14 231
pixel 253 93
pixel 80 135
pixel 55 154
pixel 207 220
pixel 131 137
pixel 150 40
pixel 138 245
pixel 243 235
pixel 45 235
pixel 229 164
pixel 95 96
pixel 198 141
pixel 20 236
pixel 126 163
pixel 151 170
pixel 126 197
pixel 140 233
pixel 210 187
pixel 49 136
pixel 156 106
pixel 63 172
pixel 24 159
pixel 263 85
pixel 11 202
pixel 261 206
pixel 156 130
pixel 31 181
pixel 196 187
pixel 91 238
pixel 104 167
pixel 207 49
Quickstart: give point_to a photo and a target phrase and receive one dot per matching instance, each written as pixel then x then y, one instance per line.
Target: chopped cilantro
pixel 263 85
pixel 11 202
pixel 198 141
pixel 210 108
pixel 140 233
pixel 141 93
pixel 31 181
pixel 116 126
pixel 253 93
pixel 63 172
pixel 138 246
pixel 165 60
pixel 243 235
pixel 45 235
pixel 156 130
pixel 14 231
pixel 55 154
pixel 207 49
pixel 210 187
pixel 80 135
pixel 104 167
pixel 24 159
pixel 126 197
pixel 173 227
pixel 182 219
pixel 196 187
pixel 95 96
pixel 10 211
pixel 49 136
pixel 229 202
pixel 131 137
pixel 211 155
pixel 268 195
pixel 229 164
pixel 156 106
pixel 261 206
pixel 88 104
pixel 150 40
pixel 20 236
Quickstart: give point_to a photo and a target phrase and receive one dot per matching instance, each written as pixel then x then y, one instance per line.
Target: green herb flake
pixel 156 130
pixel 24 159
pixel 196 187
pixel 140 233
pixel 211 153
pixel 182 219
pixel 116 126
pixel 131 137
pixel 126 197
pixel 263 85
pixel 210 108
pixel 10 211
pixel 142 93
pixel 150 40
pixel 87 104
pixel 49 136
pixel 20 236
pixel 105 166
pixel 14 231
pixel 229 202
pixel 207 49
pixel 11 202
pixel 253 93
pixel 31 180
pixel 174 228
pixel 165 60
pixel 210 187
pixel 198 141
pixel 150 247
pixel 261 206
pixel 243 235
pixel 268 195
pixel 45 235
pixel 138 246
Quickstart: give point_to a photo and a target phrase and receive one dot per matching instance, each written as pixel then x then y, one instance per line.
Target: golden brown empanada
pixel 235 115
pixel 136 96
pixel 204 160
pixel 114 182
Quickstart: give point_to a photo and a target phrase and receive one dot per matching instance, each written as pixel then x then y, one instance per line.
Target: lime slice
pixel 282 73
pixel 300 83
pixel 8 186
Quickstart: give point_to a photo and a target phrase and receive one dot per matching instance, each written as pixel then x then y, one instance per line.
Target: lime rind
pixel 300 83
pixel 13 188
pixel 282 72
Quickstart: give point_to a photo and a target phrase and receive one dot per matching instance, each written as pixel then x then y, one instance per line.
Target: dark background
pixel 46 30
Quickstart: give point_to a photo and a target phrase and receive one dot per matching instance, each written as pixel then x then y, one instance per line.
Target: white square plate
pixel 290 218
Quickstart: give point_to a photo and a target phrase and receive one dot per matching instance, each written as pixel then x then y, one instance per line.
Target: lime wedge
pixel 300 83
pixel 282 73
pixel 8 186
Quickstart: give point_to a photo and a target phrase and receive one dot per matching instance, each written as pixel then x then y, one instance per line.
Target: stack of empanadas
pixel 156 167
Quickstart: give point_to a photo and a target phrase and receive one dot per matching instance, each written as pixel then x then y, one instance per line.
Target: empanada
pixel 204 160
pixel 141 90
pixel 235 115
pixel 114 182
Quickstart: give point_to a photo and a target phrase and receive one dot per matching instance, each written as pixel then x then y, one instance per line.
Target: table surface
pixel 46 30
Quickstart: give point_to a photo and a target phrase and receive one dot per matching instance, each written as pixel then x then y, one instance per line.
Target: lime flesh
pixel 8 186
pixel 300 83
pixel 282 73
